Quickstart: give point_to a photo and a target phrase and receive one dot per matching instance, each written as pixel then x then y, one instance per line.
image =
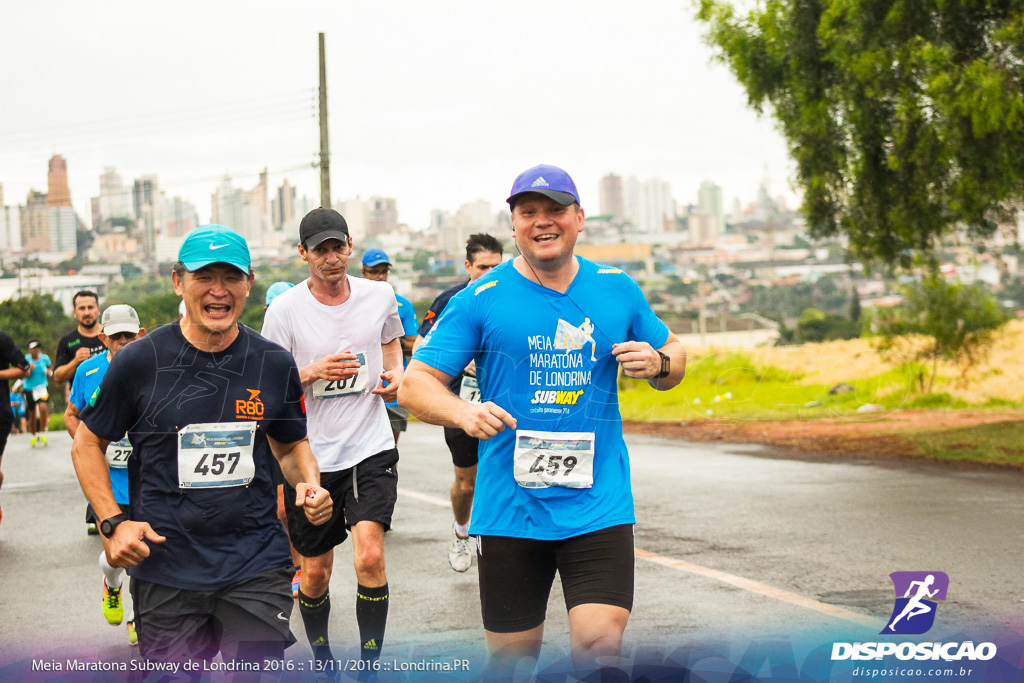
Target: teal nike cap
pixel 214 244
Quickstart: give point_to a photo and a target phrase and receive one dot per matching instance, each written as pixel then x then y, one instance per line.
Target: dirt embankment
pixel 870 435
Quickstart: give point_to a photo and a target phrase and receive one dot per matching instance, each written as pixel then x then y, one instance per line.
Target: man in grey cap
pixel 119 325
pixel 345 335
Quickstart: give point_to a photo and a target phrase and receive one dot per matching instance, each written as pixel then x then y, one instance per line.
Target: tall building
pixel 282 206
pixel 709 203
pixel 649 205
pixel 226 205
pixel 113 202
pixel 381 216
pixel 63 226
pixel 147 203
pixel 57 182
pixel 610 197
pixel 255 212
pixel 10 228
pixel 470 218
pixel 35 223
pixel 355 213
pixel 179 218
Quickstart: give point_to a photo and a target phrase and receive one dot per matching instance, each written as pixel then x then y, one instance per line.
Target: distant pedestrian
pixel 37 392
pixel 377 266
pixel 483 252
pixel 83 342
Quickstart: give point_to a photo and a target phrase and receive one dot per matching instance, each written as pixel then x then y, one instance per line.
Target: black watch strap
pixel 666 365
pixel 108 525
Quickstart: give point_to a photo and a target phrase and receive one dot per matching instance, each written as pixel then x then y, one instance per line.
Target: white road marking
pixel 737 581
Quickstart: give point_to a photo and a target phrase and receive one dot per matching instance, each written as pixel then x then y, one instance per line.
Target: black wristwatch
pixel 108 525
pixel 666 365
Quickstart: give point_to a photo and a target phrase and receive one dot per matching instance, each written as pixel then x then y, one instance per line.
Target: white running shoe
pixel 460 553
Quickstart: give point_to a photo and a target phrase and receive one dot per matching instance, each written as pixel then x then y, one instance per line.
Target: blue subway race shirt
pixel 546 358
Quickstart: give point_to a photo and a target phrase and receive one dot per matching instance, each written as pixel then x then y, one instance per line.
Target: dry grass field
pixel 999 376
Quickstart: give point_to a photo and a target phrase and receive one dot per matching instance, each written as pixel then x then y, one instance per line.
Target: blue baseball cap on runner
pixel 548 180
pixel 214 244
pixel 277 288
pixel 375 257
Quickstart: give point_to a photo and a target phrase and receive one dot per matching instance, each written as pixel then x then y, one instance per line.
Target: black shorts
pixel 248 620
pixel 6 421
pixel 30 402
pixel 399 418
pixel 516 575
pixel 463 447
pixel 371 498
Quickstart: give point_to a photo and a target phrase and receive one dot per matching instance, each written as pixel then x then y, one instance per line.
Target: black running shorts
pixel 370 497
pixel 463 447
pixel 248 620
pixel 516 575
pixel 399 418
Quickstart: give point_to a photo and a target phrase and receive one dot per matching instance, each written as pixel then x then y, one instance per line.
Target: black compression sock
pixel 372 617
pixel 316 613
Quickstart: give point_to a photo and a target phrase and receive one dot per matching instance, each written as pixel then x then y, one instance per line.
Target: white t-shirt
pixel 344 430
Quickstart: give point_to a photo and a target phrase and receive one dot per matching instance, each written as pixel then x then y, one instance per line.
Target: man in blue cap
pixel 377 266
pixel 206 404
pixel 549 332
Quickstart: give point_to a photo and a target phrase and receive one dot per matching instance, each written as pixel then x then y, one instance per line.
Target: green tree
pixel 421 261
pixel 35 316
pixel 956 323
pixel 905 117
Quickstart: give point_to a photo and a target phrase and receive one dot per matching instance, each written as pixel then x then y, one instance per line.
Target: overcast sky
pixel 433 102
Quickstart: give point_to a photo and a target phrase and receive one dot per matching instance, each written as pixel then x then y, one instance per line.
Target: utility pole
pixel 325 149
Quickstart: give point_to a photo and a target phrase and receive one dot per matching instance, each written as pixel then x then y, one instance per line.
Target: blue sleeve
pixel 76 398
pixel 408 315
pixel 455 337
pixel 646 325
pixel 110 412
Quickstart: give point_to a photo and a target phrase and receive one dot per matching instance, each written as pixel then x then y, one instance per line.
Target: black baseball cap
pixel 320 225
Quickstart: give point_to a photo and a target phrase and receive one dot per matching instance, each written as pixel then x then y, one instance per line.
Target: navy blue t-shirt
pixel 160 384
pixel 430 319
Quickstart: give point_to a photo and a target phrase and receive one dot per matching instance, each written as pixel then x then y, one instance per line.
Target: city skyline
pixel 434 119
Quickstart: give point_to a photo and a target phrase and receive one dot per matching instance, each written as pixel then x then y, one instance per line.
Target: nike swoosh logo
pixel 217 246
pixel 282 617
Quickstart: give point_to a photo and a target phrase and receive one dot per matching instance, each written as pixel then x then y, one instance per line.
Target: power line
pixel 306 96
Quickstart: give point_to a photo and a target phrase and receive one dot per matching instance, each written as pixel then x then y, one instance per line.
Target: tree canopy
pixel 905 117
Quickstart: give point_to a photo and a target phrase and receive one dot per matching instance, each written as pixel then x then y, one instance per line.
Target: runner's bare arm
pixel 71 420
pixel 300 469
pixel 14 373
pixel 393 370
pixel 641 360
pixel 424 393
pixel 65 372
pixel 127 547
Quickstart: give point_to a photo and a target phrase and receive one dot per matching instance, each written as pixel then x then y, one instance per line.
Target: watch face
pixel 105 528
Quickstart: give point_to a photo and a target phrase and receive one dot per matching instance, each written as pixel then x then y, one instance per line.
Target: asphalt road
pixel 734 547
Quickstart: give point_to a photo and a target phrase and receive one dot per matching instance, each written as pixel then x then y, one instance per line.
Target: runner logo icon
pixel 916 594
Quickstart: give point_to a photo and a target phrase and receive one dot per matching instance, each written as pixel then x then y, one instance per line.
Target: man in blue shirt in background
pixel 377 266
